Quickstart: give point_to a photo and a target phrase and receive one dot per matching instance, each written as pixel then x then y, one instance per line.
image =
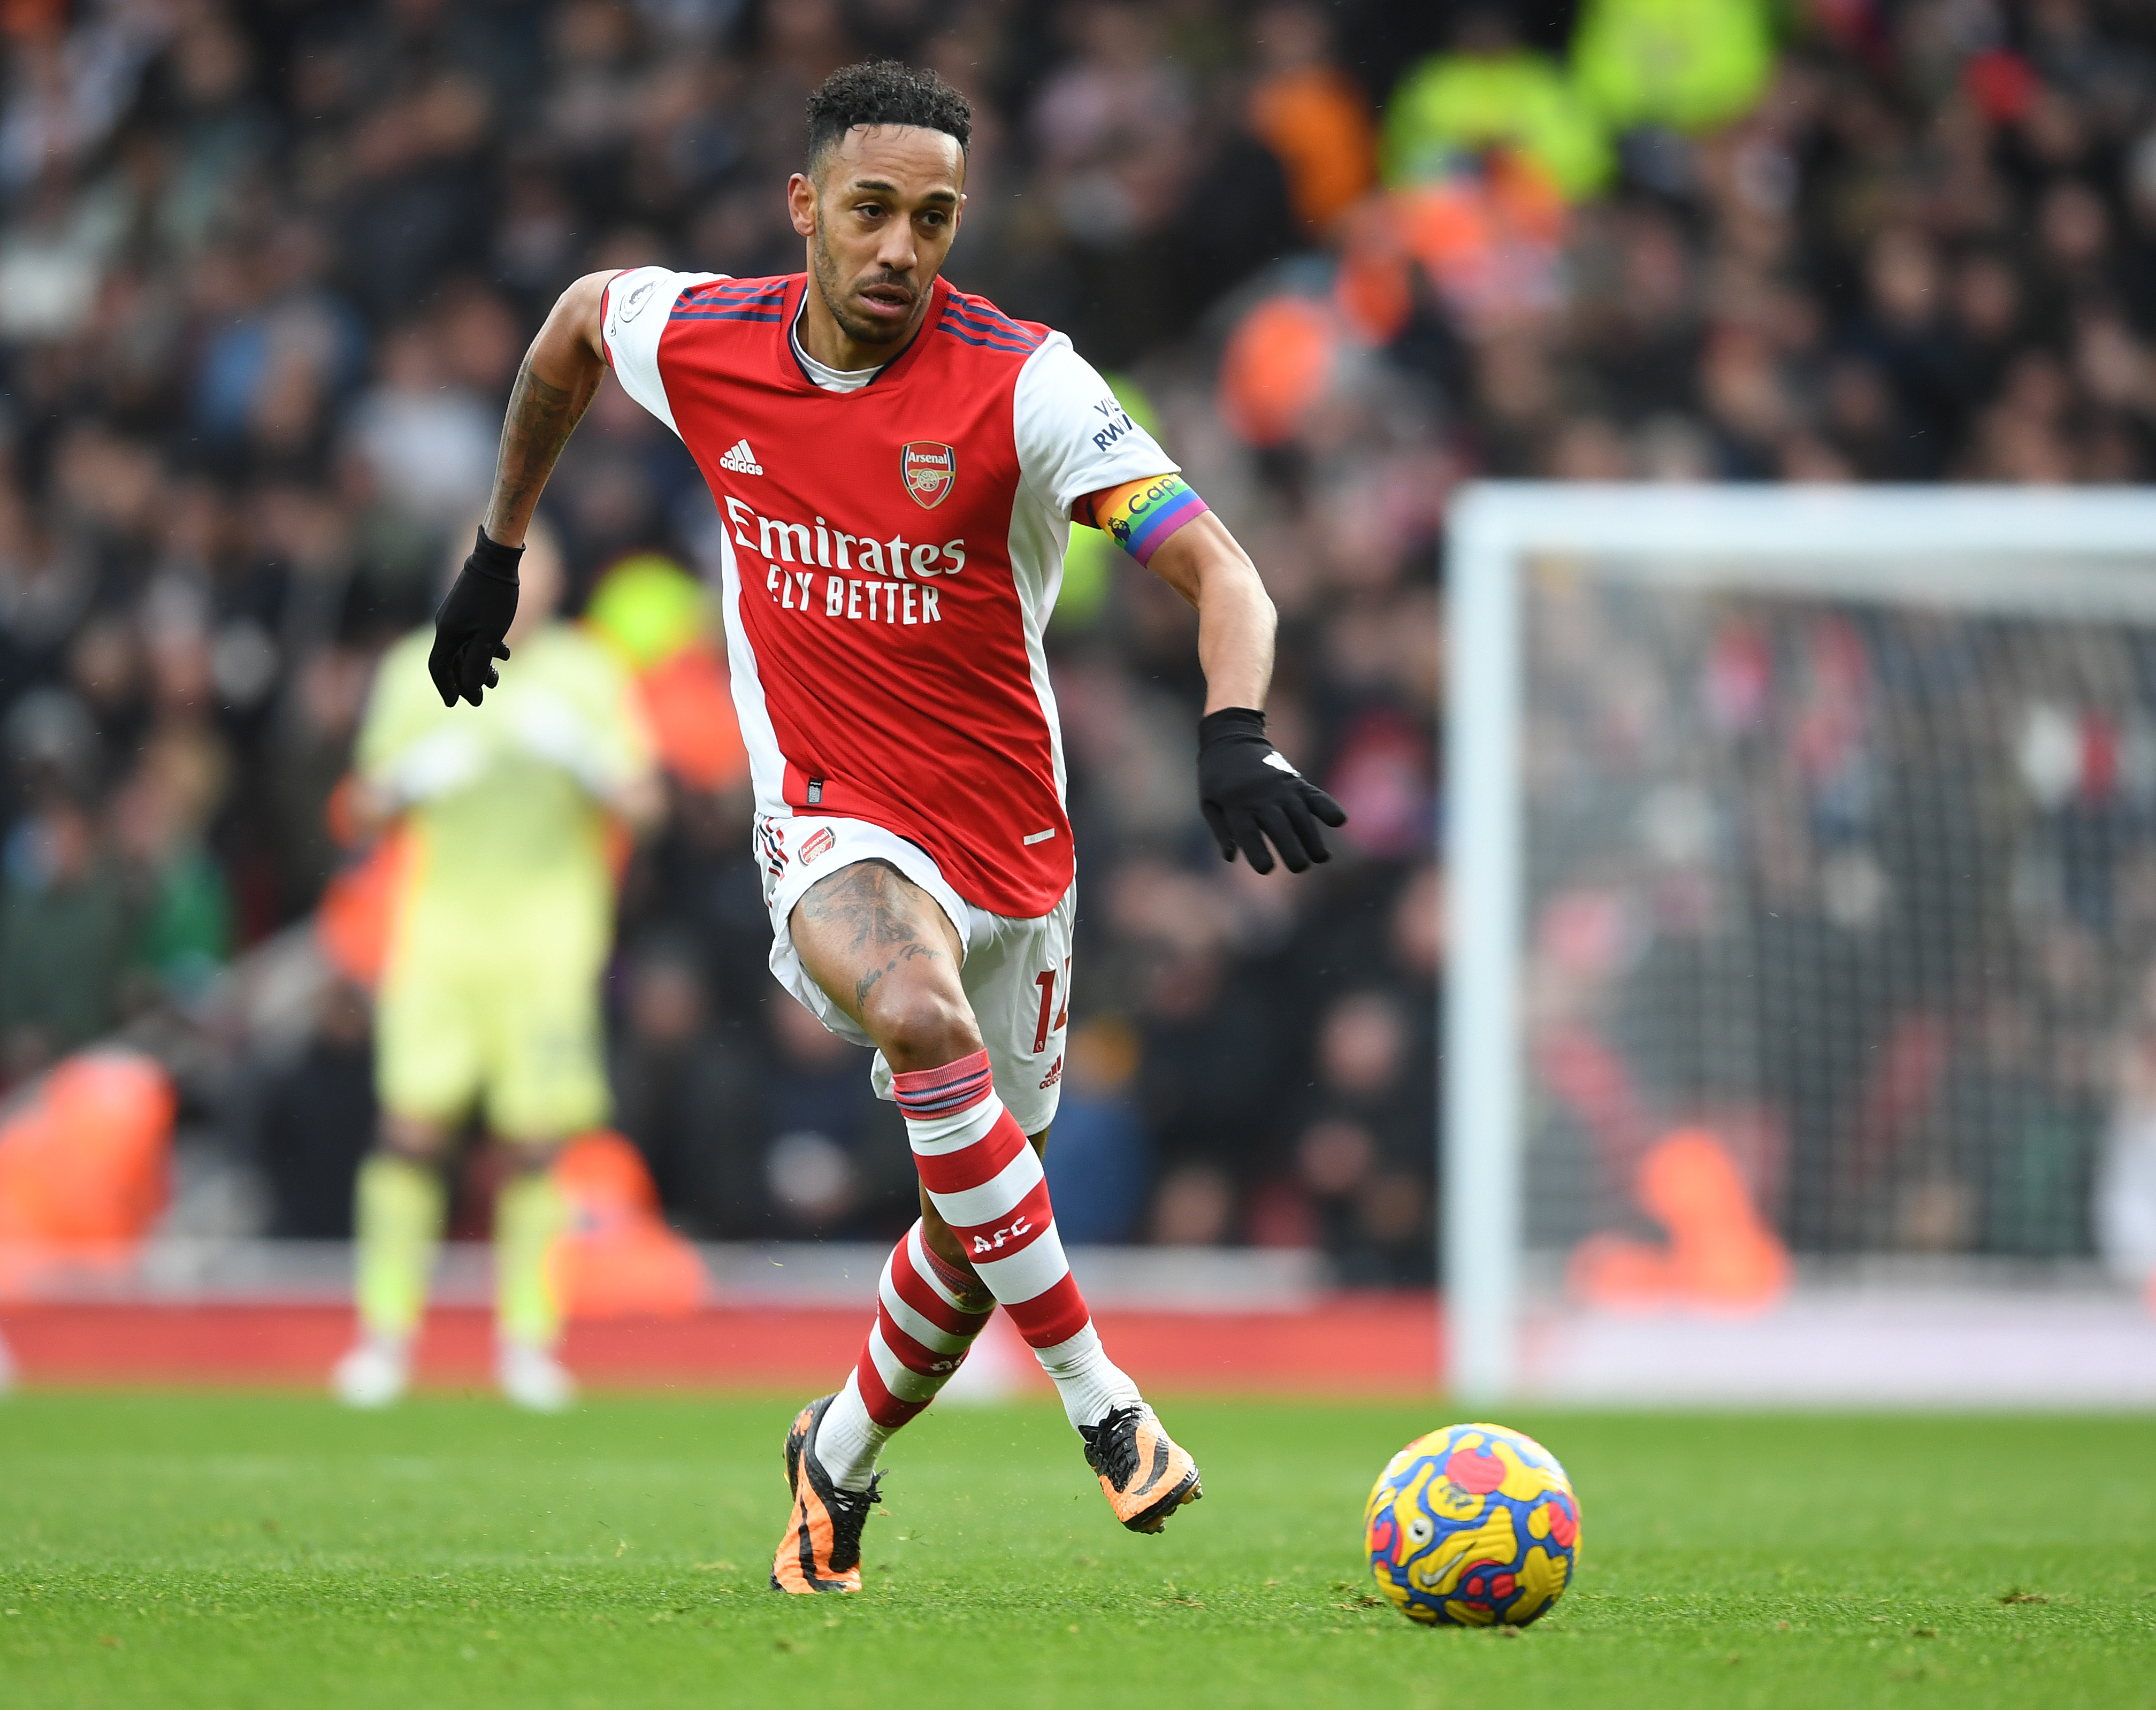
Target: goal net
pixel 1803 857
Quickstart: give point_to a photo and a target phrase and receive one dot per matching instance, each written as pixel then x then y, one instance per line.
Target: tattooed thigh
pixel 863 926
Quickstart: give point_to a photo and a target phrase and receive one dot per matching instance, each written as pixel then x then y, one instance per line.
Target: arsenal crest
pixel 929 471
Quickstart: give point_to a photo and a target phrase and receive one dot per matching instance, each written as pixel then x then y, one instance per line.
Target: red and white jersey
pixel 891 557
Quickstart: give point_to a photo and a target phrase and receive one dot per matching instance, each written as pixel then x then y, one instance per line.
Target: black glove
pixel 1246 787
pixel 471 621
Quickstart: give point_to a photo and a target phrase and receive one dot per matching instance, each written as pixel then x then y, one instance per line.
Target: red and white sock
pixel 987 1181
pixel 928 1316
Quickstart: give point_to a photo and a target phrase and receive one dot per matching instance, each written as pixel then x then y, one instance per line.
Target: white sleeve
pixel 633 315
pixel 1073 437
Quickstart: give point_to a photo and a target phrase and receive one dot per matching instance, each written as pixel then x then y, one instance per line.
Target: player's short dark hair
pixel 884 92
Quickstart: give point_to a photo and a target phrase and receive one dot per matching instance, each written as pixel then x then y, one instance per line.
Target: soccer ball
pixel 1471 1526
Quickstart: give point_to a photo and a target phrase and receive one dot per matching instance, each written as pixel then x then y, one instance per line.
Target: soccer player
pixel 490 994
pixel 897 465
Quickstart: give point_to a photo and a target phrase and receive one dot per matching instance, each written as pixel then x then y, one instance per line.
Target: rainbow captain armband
pixel 1139 515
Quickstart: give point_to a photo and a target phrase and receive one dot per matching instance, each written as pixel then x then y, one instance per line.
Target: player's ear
pixel 801 203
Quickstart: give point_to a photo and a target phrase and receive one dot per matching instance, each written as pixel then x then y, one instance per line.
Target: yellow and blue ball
pixel 1473 1526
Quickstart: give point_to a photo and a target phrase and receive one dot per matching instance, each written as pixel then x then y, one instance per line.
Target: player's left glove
pixel 1250 792
pixel 471 621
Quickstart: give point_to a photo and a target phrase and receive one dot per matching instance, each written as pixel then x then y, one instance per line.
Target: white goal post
pixel 2062 556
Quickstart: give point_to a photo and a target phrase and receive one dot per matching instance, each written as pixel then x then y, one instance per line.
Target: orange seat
pixel 619 1258
pixel 1721 1253
pixel 83 1165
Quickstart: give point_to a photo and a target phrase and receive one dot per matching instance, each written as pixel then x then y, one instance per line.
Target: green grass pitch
pixel 253 1550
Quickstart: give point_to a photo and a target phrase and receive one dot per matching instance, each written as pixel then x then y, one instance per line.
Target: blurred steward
pixel 1688 65
pixel 1492 92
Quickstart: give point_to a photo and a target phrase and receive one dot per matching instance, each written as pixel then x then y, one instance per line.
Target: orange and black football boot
pixel 822 1548
pixel 1145 1475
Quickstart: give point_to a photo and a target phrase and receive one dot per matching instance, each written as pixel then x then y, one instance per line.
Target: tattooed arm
pixel 561 373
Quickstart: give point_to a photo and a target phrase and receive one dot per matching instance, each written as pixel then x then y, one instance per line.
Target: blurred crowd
pixel 266 270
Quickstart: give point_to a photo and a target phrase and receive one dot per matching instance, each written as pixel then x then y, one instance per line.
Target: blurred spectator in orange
pixel 1311 114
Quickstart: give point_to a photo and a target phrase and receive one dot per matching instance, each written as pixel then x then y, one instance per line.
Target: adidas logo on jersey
pixel 741 460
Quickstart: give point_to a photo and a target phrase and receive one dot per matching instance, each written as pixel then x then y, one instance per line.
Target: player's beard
pixel 833 290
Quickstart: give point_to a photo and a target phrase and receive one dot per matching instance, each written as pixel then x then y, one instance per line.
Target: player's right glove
pixel 1248 792
pixel 471 621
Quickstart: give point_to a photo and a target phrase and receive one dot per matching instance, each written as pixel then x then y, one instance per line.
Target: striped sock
pixel 927 1318
pixel 986 1180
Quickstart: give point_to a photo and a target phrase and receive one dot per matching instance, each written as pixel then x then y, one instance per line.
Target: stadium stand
pixel 265 273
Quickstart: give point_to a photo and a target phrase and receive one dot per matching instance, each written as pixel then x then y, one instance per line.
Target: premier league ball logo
pixel 929 470
pixel 1470 1526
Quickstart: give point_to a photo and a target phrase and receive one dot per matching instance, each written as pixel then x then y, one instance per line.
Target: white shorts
pixel 1016 974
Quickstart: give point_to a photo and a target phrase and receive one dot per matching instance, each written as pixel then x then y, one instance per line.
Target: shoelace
pixel 856 1503
pixel 850 1513
pixel 1113 1446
